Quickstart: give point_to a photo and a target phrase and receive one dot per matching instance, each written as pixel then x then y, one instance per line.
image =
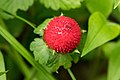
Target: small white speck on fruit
pixel 59 32
pixel 62 14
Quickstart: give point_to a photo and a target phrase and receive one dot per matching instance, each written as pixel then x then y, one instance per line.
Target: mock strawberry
pixel 62 34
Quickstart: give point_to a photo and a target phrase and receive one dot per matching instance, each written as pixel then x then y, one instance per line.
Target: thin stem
pixel 26 21
pixel 71 74
pixel 18 17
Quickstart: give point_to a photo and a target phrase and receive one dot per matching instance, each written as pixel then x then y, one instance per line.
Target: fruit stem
pixel 20 18
pixel 24 20
pixel 71 74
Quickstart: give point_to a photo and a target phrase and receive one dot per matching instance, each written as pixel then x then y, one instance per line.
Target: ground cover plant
pixel 59 40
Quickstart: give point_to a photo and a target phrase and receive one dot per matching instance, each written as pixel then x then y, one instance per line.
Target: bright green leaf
pixel 117 3
pixel 103 6
pixel 1 73
pixel 99 32
pixel 114 63
pixel 2 68
pixel 63 4
pixel 41 51
pixel 40 29
pixel 13 5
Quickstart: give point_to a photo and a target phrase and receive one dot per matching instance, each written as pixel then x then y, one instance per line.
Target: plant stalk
pixel 71 74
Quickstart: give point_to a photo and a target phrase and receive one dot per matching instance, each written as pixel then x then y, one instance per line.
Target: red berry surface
pixel 62 34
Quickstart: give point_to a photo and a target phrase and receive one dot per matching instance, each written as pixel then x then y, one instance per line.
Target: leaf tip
pixel 84 52
pixel 82 55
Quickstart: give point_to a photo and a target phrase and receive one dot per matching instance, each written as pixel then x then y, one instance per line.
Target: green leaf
pixel 40 29
pixel 117 3
pixel 95 5
pixel 65 60
pixel 119 8
pixel 2 41
pixel 40 50
pixel 75 55
pixel 13 5
pixel 5 15
pixel 63 4
pixel 1 73
pixel 2 68
pixel 99 32
pixel 114 63
pixel 53 62
pixel 108 47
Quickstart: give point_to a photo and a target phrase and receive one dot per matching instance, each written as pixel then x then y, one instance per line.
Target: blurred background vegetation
pixel 93 66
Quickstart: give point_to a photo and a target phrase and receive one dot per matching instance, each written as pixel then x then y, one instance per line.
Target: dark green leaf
pixel 63 4
pixel 75 56
pixel 40 29
pixel 116 13
pixel 82 42
pixel 103 6
pixel 99 32
pixel 40 50
pixel 15 26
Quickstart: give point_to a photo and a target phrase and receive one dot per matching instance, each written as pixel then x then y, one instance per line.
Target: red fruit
pixel 62 34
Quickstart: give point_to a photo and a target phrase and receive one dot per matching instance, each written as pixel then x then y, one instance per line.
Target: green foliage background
pixel 22 20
